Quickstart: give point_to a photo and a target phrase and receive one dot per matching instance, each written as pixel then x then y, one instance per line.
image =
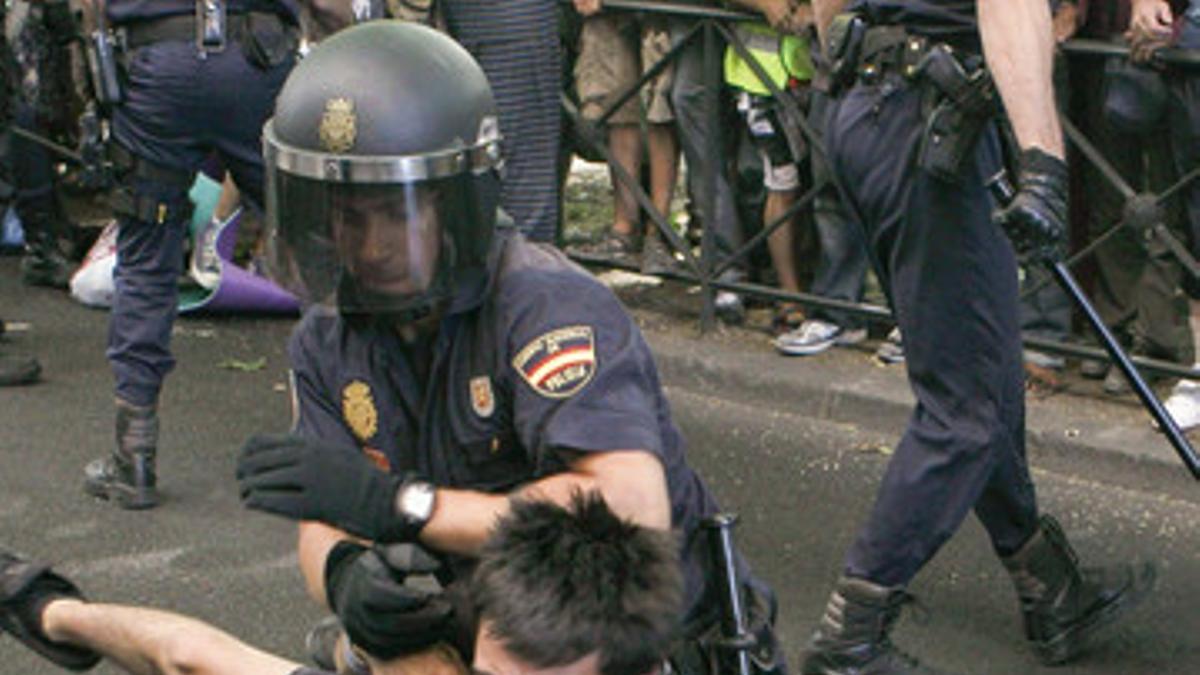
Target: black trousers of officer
pixel 180 106
pixel 951 276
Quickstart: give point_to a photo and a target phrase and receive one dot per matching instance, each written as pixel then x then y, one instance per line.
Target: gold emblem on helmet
pixel 358 407
pixel 339 125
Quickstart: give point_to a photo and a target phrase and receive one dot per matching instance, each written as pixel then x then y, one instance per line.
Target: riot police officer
pixel 48 108
pixel 467 363
pixel 912 141
pixel 199 77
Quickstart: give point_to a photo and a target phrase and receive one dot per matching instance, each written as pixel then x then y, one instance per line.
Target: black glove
pixel 1036 218
pixel 378 611
pixel 306 479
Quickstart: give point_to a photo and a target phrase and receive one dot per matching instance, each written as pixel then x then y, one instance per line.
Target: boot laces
pixel 920 614
pixel 897 602
pixel 1054 534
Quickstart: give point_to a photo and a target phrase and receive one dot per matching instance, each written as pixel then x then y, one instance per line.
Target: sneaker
pixel 1044 360
pixel 205 266
pixel 46 268
pixel 892 349
pixel 1115 383
pixel 1093 369
pixel 815 336
pixel 1184 404
pixel 729 306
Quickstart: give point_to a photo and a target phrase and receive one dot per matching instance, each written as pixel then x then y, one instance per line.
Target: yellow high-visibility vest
pixel 780 56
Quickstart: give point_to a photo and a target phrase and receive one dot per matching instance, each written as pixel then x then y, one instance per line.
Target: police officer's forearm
pixel 1019 48
pixel 823 13
pixel 632 482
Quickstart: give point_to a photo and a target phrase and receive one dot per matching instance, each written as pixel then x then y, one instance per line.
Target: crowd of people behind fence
pixel 170 114
pixel 1139 113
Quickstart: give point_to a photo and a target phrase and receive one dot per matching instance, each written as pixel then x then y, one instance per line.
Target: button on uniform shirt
pixel 530 367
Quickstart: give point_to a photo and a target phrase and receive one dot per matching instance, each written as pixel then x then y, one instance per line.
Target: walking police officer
pixel 199 77
pixel 467 363
pixel 913 142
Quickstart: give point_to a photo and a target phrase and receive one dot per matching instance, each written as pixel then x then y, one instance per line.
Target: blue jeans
pixel 843 263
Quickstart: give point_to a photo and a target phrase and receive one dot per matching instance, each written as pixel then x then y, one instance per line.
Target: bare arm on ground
pixel 153 642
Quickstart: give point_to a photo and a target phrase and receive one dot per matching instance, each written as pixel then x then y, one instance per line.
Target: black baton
pixel 1002 191
pixel 735 639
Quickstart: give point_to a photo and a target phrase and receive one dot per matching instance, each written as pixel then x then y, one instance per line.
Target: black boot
pixel 44 263
pixel 18 370
pixel 852 638
pixel 1064 604
pixel 127 476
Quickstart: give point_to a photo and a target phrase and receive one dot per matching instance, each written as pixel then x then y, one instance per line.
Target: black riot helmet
pixel 381 167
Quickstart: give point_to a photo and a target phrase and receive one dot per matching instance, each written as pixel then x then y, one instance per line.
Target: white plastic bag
pixel 92 284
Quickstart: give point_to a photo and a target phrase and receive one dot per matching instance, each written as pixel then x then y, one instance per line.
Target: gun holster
pixel 844 47
pixel 962 102
pixel 104 49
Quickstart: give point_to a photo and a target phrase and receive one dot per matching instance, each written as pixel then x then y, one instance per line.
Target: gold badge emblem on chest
pixel 339 125
pixel 483 401
pixel 358 408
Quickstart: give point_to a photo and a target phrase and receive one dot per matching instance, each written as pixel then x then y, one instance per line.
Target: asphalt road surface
pixel 800 485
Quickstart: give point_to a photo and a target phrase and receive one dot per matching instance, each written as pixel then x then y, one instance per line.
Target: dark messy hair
pixel 558 584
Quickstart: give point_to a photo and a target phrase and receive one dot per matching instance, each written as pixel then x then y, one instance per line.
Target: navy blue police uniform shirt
pixel 127 11
pixel 950 21
pixel 539 364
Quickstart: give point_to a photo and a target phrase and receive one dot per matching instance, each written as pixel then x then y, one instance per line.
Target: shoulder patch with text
pixel 559 363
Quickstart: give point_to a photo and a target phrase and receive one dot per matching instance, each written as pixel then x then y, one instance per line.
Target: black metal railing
pixel 712 25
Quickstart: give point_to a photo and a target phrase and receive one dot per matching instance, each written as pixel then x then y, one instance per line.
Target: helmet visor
pixel 364 248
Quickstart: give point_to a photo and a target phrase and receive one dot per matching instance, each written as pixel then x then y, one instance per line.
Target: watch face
pixel 416 501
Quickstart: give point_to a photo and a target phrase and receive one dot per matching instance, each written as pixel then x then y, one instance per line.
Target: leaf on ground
pixel 244 366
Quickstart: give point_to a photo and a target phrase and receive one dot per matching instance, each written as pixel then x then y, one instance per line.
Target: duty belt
pixel 182 27
pixel 890 49
pixel 958 97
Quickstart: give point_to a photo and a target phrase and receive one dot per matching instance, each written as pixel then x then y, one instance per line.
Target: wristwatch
pixel 414 504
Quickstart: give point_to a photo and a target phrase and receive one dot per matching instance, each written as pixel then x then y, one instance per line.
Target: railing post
pixel 708 200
